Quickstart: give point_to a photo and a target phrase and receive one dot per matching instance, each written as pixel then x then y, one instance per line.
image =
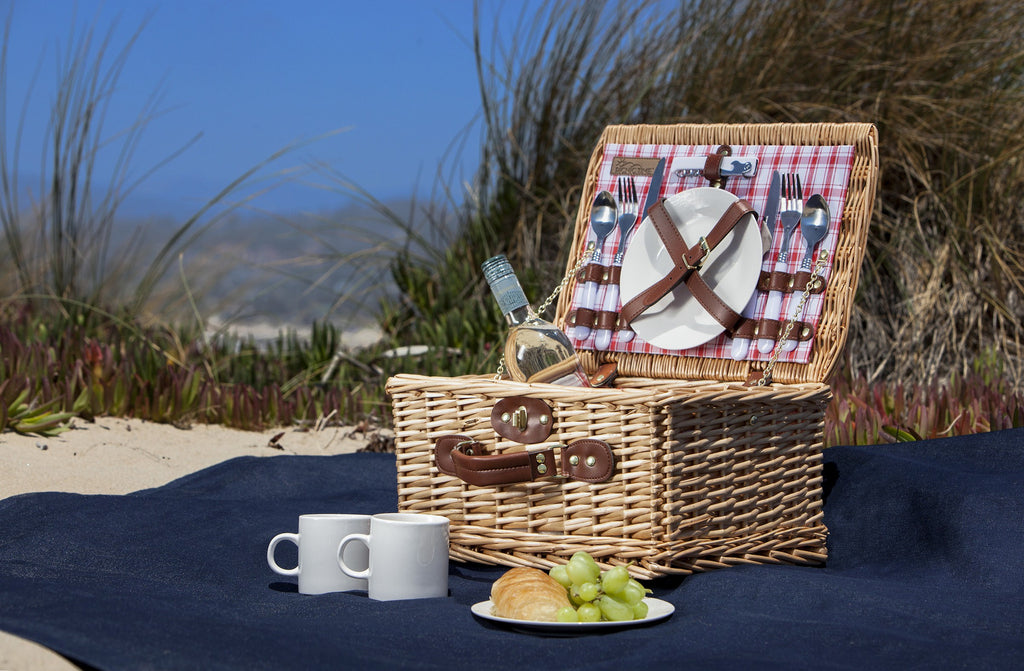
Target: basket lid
pixel 838 161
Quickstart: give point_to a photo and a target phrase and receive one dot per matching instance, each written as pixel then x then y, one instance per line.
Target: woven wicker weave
pixel 830 336
pixel 708 472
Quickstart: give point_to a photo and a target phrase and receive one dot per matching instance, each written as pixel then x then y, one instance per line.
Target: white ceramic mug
pixel 318 542
pixel 408 556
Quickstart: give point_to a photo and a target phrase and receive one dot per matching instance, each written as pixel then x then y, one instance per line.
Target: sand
pixel 117 456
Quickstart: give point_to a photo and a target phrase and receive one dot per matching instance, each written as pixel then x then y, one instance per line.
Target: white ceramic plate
pixel 731 270
pixel 656 610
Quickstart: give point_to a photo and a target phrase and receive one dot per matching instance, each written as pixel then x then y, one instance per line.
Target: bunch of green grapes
pixel 610 595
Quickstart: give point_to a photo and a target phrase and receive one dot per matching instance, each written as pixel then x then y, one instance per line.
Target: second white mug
pixel 408 556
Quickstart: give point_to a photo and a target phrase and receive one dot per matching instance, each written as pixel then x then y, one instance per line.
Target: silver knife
pixel 654 189
pixel 771 211
pixel 741 346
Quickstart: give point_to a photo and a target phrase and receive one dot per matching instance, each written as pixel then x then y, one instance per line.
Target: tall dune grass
pixel 942 283
pixel 940 293
pixel 58 251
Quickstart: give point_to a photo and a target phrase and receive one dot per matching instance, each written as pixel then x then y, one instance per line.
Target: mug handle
pixel 362 538
pixel 294 538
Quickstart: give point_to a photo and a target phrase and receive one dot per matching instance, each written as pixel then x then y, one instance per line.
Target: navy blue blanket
pixel 924 571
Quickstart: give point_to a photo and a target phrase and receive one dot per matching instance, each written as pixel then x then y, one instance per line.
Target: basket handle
pixel 587 460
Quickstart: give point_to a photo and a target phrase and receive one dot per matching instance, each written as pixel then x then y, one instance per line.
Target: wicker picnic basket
pixel 708 469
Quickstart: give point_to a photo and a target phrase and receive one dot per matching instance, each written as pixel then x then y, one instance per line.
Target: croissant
pixel 528 594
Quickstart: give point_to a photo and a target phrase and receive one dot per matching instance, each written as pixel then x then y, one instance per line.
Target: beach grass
pixel 934 346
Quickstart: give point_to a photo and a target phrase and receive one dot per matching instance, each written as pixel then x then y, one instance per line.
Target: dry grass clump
pixel 942 80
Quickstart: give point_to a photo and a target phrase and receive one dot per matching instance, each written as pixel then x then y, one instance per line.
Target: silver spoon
pixel 603 215
pixel 814 227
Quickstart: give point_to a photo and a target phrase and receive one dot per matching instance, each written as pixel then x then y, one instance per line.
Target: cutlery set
pixel 602 222
pixel 812 218
pixel 785 206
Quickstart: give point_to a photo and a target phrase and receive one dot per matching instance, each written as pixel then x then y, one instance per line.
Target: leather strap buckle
pixel 705 249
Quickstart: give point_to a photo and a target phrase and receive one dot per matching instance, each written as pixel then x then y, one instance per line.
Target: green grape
pixel 614 580
pixel 639 610
pixel 615 610
pixel 633 593
pixel 581 571
pixel 587 591
pixel 588 612
pixel 574 596
pixel 560 575
pixel 567 614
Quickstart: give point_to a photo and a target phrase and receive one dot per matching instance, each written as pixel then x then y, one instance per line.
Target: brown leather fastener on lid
pixel 688 261
pixel 522 419
pixel 713 167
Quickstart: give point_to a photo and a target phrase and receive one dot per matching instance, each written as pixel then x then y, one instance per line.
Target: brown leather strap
pixel 593 272
pixel 713 166
pixel 583 317
pixel 443 451
pixel 502 469
pixel 606 320
pixel 686 259
pixel 788 283
pixel 710 301
pixel 754 378
pixel 605 374
pixel 770 329
pixel 588 460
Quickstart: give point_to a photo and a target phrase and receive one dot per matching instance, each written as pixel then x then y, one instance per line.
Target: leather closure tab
pixel 604 375
pixel 754 378
pixel 713 166
pixel 589 460
pixel 522 419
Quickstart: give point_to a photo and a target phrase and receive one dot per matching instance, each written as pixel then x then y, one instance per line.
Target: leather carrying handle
pixel 587 460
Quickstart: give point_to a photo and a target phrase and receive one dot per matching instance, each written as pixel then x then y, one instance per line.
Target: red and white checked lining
pixel 824 170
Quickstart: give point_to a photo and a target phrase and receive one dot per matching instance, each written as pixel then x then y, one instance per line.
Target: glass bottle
pixel 536 350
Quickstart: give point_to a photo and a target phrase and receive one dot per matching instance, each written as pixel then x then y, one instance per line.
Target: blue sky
pixel 259 75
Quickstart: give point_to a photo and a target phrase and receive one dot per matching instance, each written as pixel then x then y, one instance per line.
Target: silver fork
pixel 792 208
pixel 629 206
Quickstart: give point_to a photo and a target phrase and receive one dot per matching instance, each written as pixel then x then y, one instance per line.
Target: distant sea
pixel 264 274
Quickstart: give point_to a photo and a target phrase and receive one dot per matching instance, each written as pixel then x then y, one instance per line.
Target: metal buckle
pixel 704 248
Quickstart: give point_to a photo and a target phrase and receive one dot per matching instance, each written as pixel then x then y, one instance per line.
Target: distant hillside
pixel 286 271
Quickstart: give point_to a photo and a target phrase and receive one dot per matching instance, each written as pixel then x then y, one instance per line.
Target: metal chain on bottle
pixel 544 306
pixel 811 283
